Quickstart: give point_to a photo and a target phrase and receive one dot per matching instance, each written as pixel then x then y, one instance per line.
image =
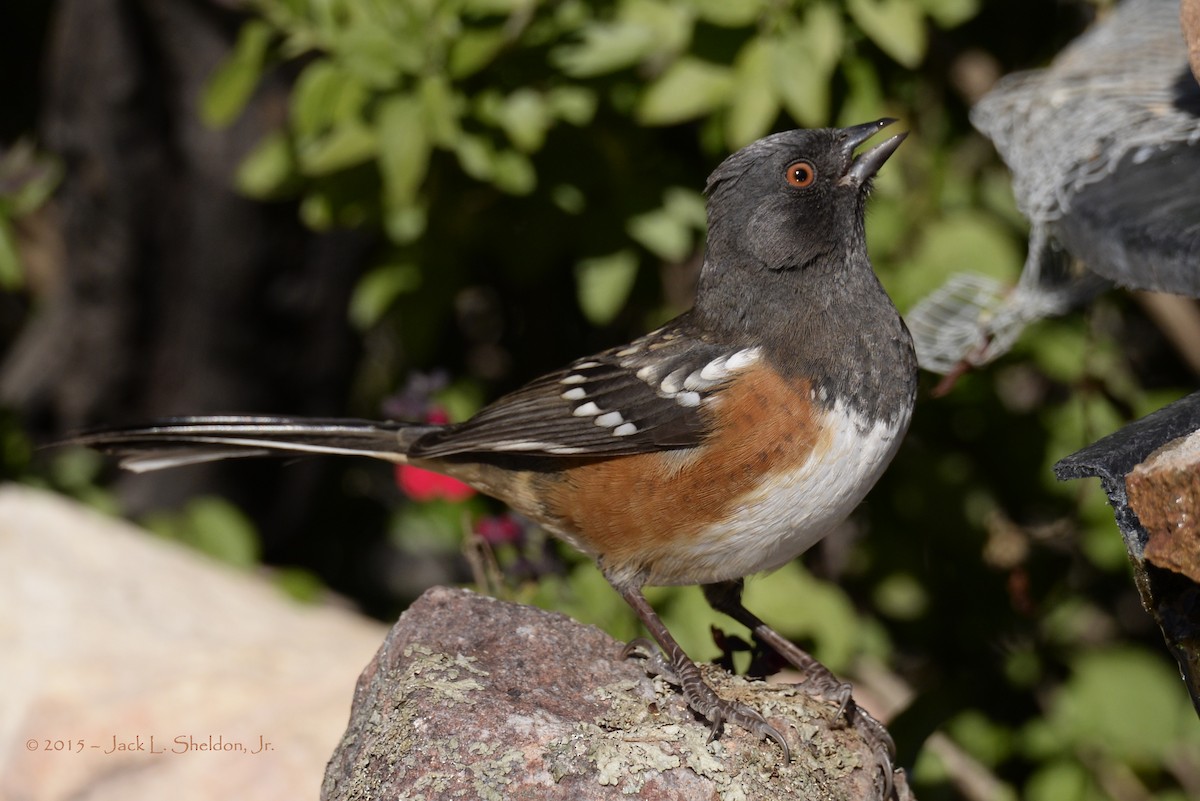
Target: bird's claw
pixel 702 698
pixel 656 663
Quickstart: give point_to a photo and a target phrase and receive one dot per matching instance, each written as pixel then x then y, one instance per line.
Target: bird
pixel 1104 150
pixel 720 445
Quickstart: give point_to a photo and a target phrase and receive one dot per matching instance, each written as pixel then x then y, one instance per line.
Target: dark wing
pixel 1140 226
pixel 647 396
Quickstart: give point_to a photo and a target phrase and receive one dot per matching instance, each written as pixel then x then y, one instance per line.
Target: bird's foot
pixel 820 682
pixel 684 673
pixel 880 743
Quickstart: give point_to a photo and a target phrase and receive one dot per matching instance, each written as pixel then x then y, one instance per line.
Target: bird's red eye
pixel 800 174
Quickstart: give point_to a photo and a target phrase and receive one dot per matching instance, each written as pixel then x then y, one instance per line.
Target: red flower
pixel 425 485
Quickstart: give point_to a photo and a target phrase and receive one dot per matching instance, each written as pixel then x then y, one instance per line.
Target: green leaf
pixel 661 234
pixel 603 284
pixel 486 8
pixel 796 604
pixel 586 596
pixel 951 13
pixel 573 104
pixel 1126 704
pixel 606 48
pixel 270 170
pixel 443 108
pixel 378 56
pixel 687 206
pixel 802 87
pixel 347 145
pixel 475 49
pixel 404 148
pixel 691 88
pixel 669 232
pixel 316 210
pixel 1060 780
pixel 803 59
pixel 476 156
pixel 896 26
pixel 989 742
pixel 376 291
pixel 690 619
pixel 232 84
pixel 525 119
pixel 825 36
pixel 569 198
pixel 726 14
pixel 901 596
pixel 324 95
pixel 644 30
pixel 212 526
pixel 27 178
pixel 11 276
pixel 513 172
pixel 1061 350
pixel 864 95
pixel 220 529
pixel 406 223
pixel 299 584
pixel 963 241
pixel 755 104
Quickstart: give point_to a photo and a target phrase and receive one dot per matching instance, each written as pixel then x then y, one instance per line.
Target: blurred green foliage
pixel 534 172
pixel 27 178
pixel 406 115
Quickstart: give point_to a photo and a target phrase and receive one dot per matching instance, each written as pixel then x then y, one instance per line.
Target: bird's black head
pixel 795 197
pixel 783 210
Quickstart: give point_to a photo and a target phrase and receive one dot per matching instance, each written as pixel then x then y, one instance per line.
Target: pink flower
pixel 500 529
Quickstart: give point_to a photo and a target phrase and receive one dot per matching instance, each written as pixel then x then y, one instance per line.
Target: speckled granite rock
pixel 470 697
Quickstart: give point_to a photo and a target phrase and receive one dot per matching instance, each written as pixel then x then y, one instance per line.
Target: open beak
pixel 863 168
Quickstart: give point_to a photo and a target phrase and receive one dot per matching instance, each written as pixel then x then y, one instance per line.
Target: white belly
pixel 792 510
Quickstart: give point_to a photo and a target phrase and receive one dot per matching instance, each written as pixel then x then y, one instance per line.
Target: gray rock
pixel 475 698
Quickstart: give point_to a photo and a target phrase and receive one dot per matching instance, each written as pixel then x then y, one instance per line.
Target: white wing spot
pixel 574 378
pixel 674 382
pixel 625 429
pixel 696 381
pixel 609 419
pixel 688 398
pixel 743 358
pixel 586 410
pixel 646 373
pixel 575 393
pixel 564 450
pixel 586 365
pixel 715 370
pixel 631 350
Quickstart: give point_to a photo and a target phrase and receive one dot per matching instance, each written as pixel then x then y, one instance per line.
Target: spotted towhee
pixel 723 444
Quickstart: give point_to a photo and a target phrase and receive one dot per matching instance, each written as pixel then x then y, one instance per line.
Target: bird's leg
pixel 819 681
pixel 726 597
pixel 683 671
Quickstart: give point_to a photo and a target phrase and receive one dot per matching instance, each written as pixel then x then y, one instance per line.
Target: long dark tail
pixel 177 441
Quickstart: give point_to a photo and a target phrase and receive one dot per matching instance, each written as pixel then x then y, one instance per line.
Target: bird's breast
pixel 779 471
pixel 791 510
